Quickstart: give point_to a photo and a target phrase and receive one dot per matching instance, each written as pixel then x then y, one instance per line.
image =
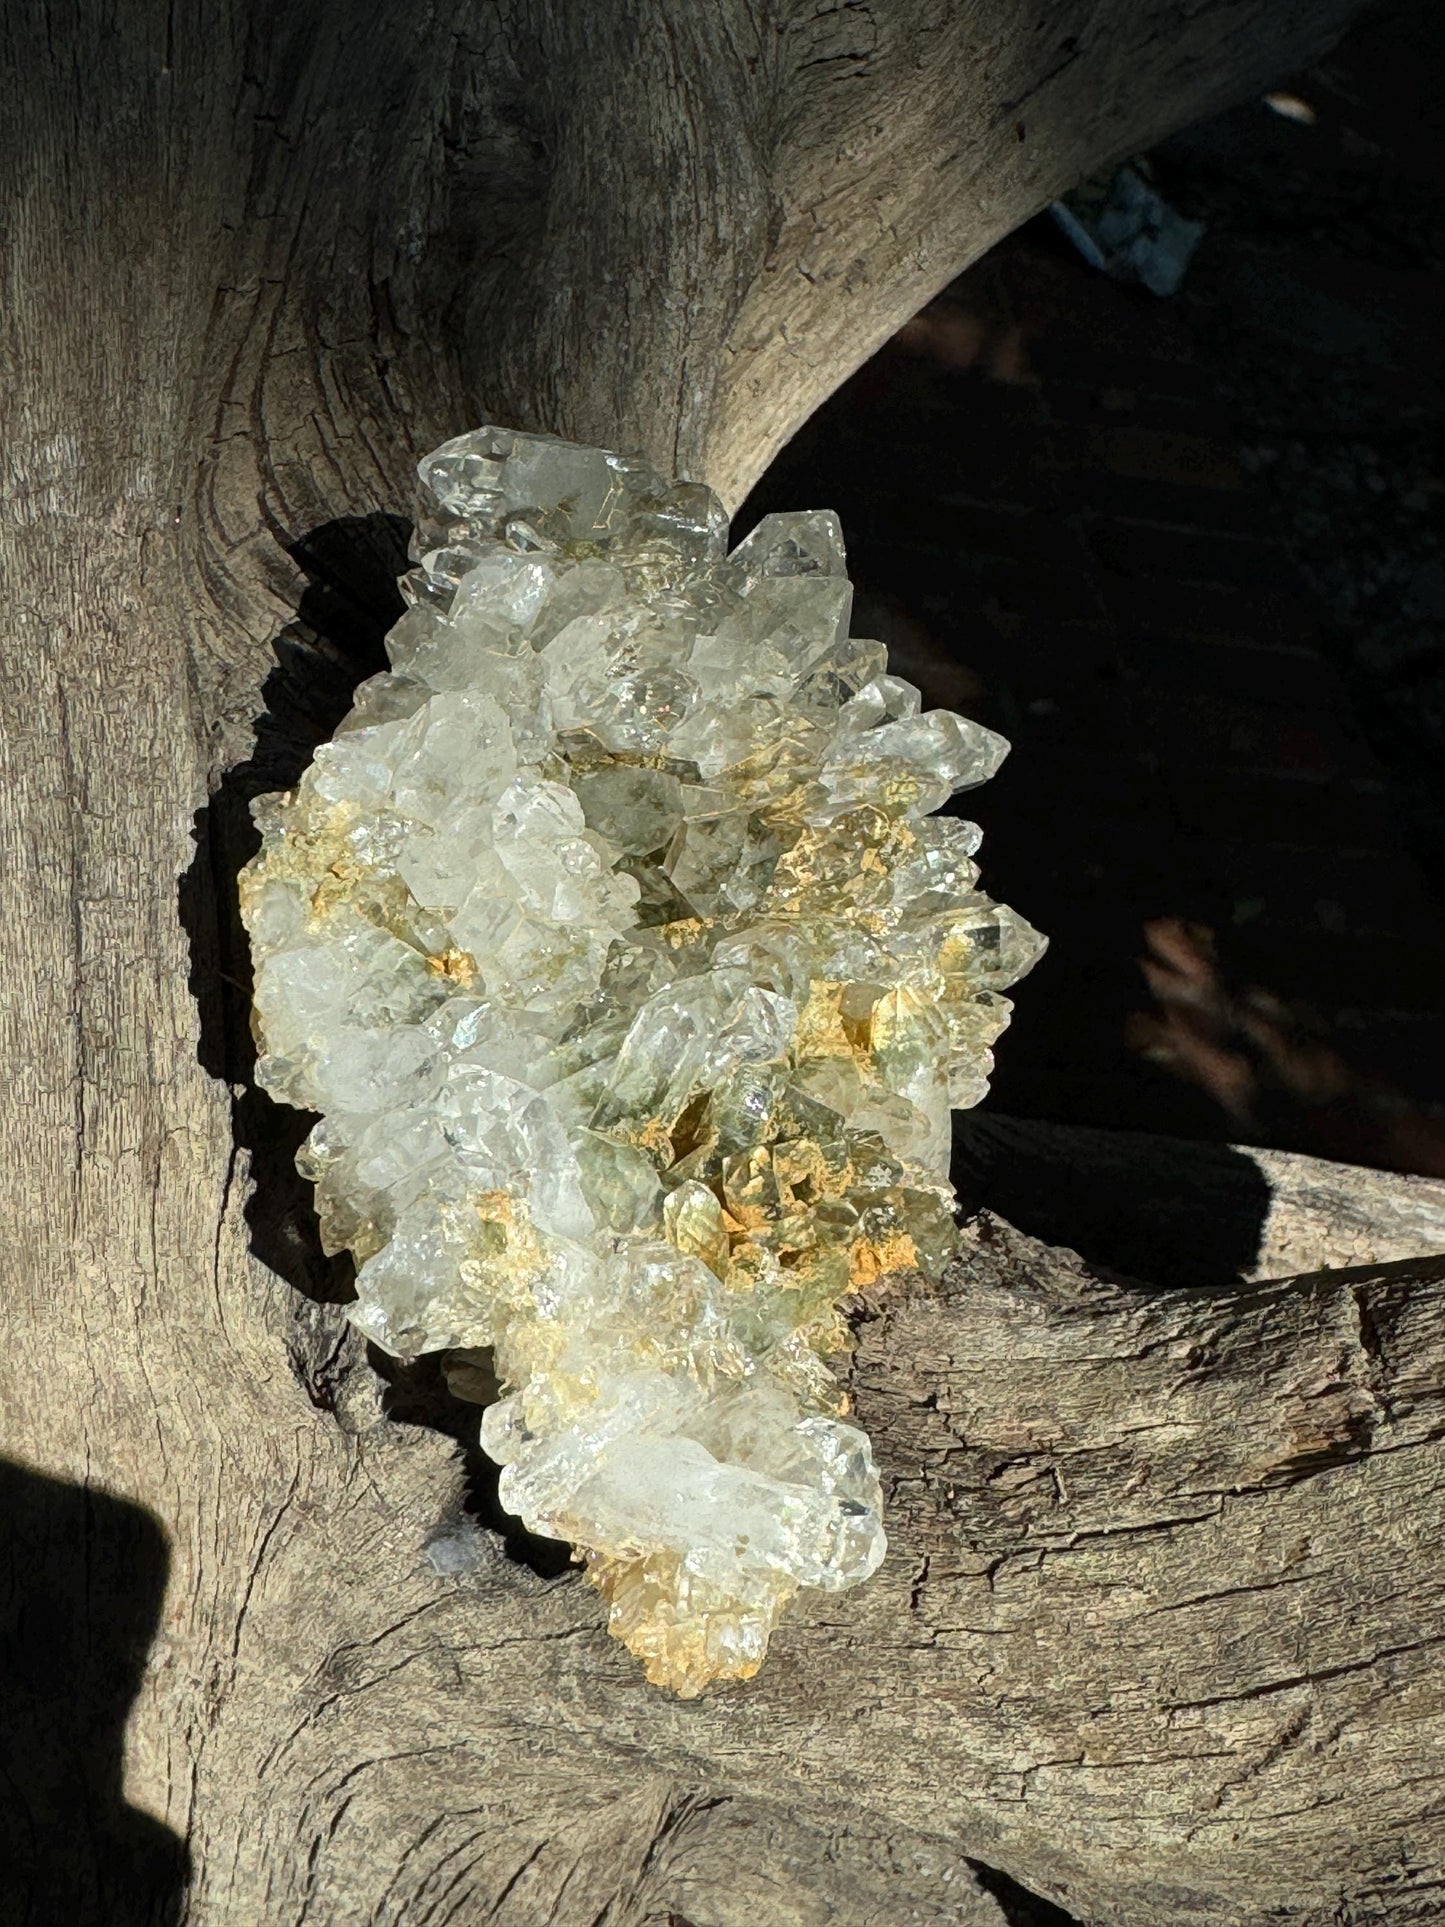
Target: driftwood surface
pixel 1156 1636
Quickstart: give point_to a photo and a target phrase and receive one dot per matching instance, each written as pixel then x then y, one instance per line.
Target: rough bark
pixel 1155 1634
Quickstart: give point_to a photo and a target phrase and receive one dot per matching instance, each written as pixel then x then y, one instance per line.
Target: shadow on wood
pixel 72 1656
pixel 1162 1211
pixel 417 1393
pixel 336 641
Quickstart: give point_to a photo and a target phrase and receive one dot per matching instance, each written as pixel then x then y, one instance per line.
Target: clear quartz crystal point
pixel 615 939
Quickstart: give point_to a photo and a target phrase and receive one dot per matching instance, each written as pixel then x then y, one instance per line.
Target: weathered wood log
pixel 1158 1631
pixel 1155 1634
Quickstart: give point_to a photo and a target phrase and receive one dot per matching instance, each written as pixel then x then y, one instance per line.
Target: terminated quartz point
pixel 614 939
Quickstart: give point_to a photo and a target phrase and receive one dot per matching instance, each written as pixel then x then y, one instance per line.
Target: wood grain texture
pixel 1155 1633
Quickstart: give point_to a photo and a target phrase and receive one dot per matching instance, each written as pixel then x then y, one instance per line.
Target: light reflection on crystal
pixel 614 939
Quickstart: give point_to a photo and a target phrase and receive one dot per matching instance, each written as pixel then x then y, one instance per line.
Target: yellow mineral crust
pixel 457 966
pixel 685 1642
pixel 614 940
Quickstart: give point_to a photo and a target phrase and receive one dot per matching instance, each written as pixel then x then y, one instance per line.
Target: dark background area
pixel 1187 554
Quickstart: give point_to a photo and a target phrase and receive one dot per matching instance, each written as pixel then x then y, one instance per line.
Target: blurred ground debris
pixel 1121 224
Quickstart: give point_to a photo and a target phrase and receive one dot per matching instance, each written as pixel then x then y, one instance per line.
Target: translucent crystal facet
pixel 614 938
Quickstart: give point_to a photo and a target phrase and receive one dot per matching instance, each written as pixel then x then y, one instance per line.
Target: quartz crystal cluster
pixel 614 939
